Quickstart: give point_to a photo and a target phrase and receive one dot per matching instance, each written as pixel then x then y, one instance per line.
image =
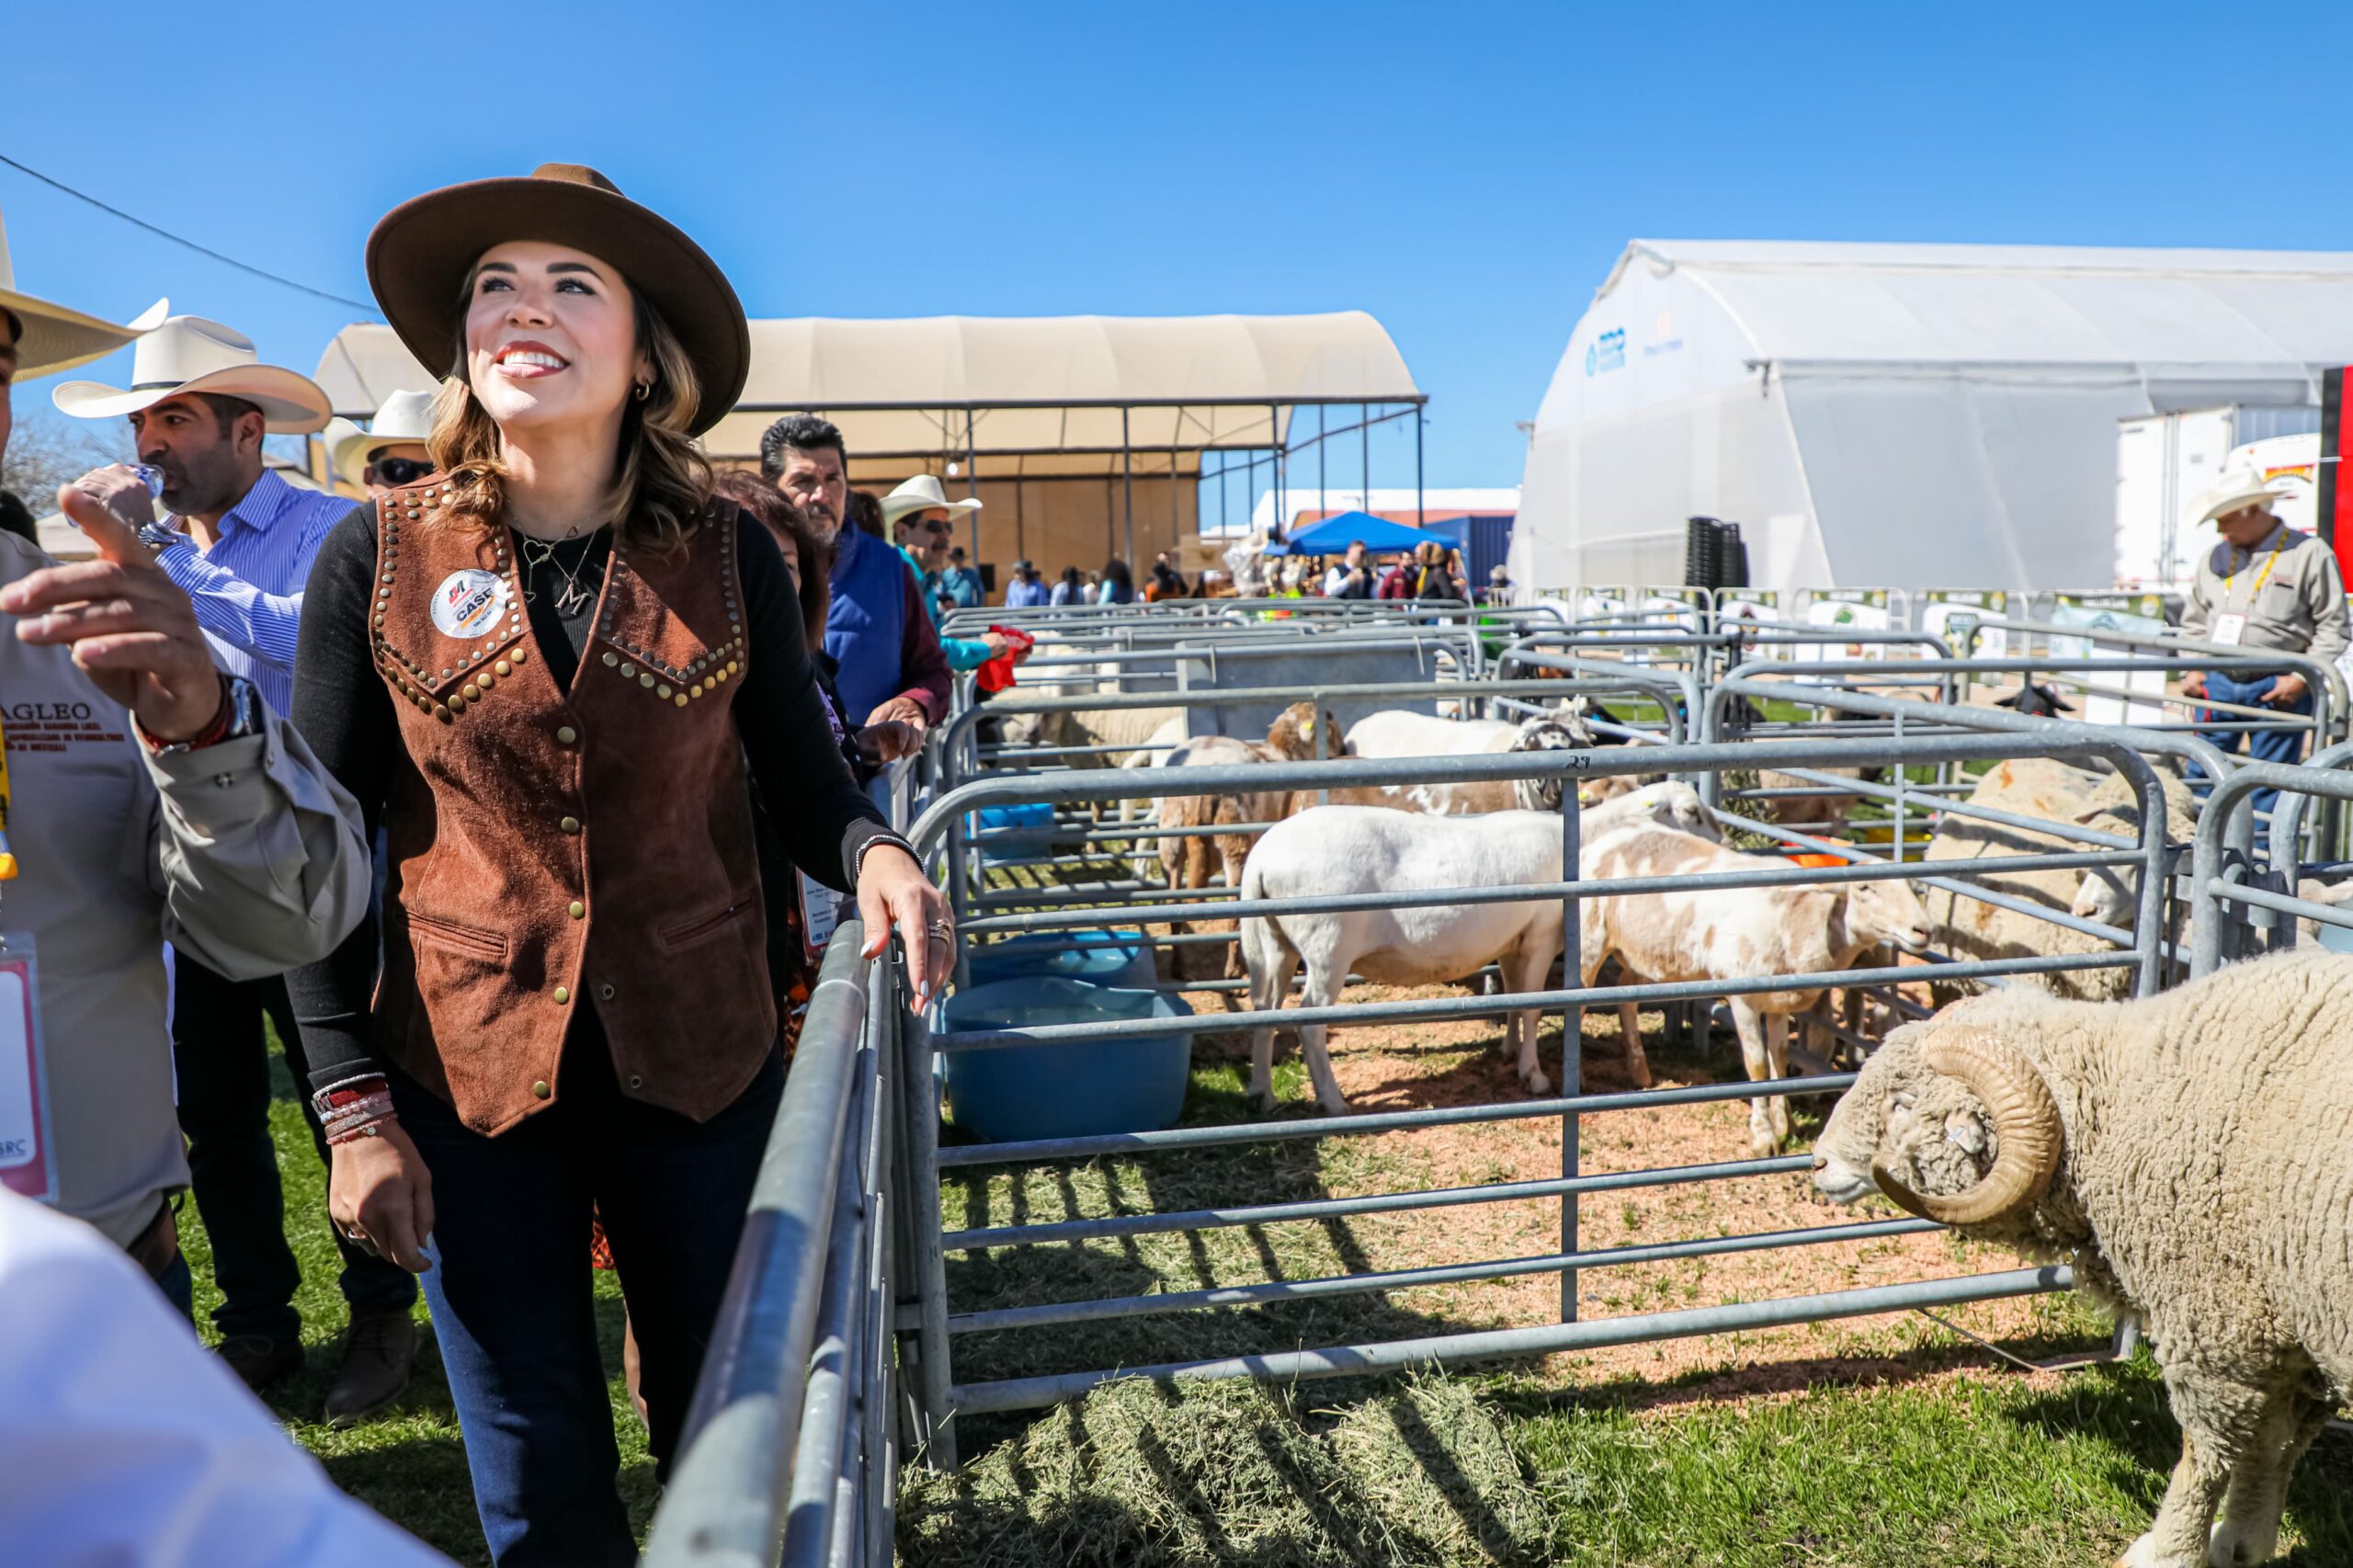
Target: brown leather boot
pixel 378 1354
pixel 260 1361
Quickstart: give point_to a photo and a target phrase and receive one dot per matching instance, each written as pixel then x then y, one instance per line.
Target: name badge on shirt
pixel 821 911
pixel 28 1159
pixel 2230 628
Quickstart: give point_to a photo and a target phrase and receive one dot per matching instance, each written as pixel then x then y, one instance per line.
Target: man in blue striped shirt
pixel 240 540
pixel 244 569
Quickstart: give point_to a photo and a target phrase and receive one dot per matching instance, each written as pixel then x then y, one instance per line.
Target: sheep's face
pixel 1543 794
pixel 1294 732
pixel 1926 1129
pixel 1572 716
pixel 1031 729
pixel 2108 894
pixel 1887 914
pixel 1670 804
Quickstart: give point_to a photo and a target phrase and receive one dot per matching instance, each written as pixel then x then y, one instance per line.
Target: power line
pixel 190 245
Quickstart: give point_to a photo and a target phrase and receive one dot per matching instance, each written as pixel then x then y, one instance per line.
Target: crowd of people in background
pixel 1430 570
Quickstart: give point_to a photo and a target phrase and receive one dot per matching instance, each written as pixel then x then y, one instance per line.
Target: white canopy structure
pixel 1081 435
pixel 1048 394
pixel 1894 415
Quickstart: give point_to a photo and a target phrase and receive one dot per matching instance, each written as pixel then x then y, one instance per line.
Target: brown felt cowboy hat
pixel 420 254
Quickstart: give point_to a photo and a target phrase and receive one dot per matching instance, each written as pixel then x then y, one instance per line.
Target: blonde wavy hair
pixel 662 482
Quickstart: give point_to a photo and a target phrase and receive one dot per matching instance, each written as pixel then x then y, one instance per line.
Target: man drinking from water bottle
pixel 239 543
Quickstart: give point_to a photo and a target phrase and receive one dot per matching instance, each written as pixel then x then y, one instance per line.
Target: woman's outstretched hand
pixel 894 895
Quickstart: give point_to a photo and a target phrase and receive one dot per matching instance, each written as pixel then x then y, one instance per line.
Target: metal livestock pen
pixel 836 1358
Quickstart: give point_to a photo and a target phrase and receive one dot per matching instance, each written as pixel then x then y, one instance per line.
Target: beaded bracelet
pixel 354 1108
pixel 361 1118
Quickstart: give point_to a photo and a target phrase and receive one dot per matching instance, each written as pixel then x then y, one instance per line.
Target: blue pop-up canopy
pixel 1333 535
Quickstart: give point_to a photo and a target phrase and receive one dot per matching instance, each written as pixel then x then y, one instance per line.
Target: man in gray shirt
pixel 2265 586
pixel 149 798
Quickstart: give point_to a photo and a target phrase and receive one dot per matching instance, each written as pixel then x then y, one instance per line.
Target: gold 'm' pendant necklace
pixel 581 579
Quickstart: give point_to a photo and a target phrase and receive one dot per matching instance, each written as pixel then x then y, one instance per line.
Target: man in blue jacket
pixel 878 630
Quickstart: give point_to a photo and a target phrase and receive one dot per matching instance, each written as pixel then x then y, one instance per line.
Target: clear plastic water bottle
pixel 153 477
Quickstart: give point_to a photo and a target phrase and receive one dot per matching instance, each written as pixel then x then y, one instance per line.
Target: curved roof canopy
pixel 2262 313
pixel 1037 395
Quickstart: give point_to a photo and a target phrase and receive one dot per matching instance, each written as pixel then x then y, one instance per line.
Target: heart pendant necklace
pixel 574 595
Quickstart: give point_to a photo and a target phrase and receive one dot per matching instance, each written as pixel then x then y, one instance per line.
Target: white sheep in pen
pixel 1121 728
pixel 2039 786
pixel 1396 732
pixel 1464 797
pixel 2191 1156
pixel 1353 849
pixel 1735 934
pixel 1185 860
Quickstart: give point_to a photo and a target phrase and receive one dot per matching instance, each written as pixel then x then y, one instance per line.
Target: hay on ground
pixel 1419 1473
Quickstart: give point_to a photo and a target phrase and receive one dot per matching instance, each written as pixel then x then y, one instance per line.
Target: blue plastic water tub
pixel 1011 829
pixel 1100 958
pixel 1065 1090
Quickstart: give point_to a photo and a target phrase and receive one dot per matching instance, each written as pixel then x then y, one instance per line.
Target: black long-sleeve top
pixel 344 710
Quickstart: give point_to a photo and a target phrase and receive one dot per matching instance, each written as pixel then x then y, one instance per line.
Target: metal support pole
pixel 937 1431
pixel 1127 495
pixel 1364 447
pixel 1900 782
pixel 1323 466
pixel 1572 1035
pixel 1420 508
pixel 1274 465
pixel 972 488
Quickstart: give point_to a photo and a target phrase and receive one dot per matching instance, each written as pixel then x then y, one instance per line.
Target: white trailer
pixel 2163 461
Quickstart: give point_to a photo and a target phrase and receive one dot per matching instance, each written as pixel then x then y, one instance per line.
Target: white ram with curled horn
pixel 2191 1155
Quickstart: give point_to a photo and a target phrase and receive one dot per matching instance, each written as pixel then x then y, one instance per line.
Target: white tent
pixel 1038 396
pixel 1896 415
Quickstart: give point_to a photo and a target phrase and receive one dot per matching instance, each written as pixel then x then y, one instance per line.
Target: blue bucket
pixel 1100 957
pixel 1012 829
pixel 1065 1090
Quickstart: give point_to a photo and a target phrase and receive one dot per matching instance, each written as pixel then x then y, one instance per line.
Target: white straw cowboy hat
pixel 405 418
pixel 922 493
pixel 2234 489
pixel 190 354
pixel 51 337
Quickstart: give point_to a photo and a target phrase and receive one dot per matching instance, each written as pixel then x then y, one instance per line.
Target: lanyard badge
pixel 28 1158
pixel 821 911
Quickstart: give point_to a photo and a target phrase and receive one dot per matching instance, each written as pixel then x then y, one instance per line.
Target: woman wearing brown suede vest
pixel 544 671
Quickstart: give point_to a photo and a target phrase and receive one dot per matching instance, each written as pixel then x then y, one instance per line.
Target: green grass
pixel 1977 1467
pixel 1990 1470
pixel 1899 1443
pixel 409 1465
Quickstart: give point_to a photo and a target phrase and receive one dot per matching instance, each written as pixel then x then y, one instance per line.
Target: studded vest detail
pixel 553 849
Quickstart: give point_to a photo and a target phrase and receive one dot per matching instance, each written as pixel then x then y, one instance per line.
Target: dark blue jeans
pixel 2280 745
pixel 510 1290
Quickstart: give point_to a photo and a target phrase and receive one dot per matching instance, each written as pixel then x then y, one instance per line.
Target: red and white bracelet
pixel 354 1108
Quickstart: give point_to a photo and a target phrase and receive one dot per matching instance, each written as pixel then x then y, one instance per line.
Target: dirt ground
pixel 1420 1065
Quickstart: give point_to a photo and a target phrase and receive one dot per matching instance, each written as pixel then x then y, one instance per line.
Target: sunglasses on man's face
pixel 398 471
pixel 937 526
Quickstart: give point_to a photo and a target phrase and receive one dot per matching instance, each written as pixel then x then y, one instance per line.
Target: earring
pixel 645 391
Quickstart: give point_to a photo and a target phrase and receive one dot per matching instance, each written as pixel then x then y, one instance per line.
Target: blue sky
pixel 1467 173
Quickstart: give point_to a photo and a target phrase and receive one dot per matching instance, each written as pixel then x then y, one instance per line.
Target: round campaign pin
pixel 469 603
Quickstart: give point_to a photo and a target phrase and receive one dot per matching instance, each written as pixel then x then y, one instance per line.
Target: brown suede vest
pixel 555 849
